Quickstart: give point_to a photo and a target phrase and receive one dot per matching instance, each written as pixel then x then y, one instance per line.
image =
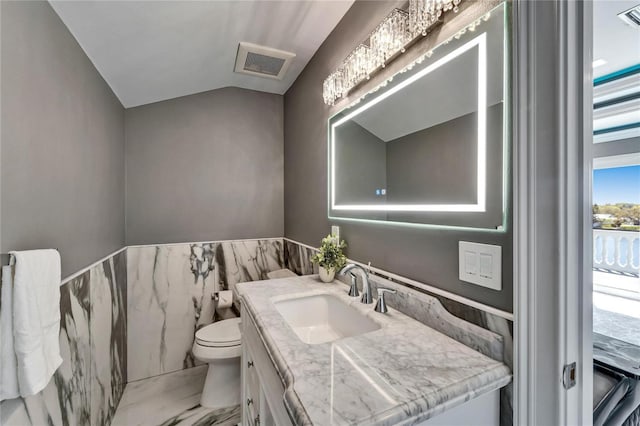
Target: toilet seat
pixel 221 334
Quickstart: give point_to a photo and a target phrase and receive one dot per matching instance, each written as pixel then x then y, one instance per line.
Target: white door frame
pixel 552 210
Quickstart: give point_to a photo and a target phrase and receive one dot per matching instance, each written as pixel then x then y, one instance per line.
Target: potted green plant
pixel 329 258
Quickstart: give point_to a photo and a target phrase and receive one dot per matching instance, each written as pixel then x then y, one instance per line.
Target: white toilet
pixel 219 345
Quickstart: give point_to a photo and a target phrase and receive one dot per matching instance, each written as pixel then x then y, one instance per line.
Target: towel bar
pixel 5 258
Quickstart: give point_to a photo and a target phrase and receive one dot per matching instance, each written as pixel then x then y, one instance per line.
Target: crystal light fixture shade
pixel 399 29
pixel 390 37
pixel 425 13
pixel 332 88
pixel 354 69
pixel 357 66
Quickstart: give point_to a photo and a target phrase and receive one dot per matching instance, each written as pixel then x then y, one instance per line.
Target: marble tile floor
pixel 171 399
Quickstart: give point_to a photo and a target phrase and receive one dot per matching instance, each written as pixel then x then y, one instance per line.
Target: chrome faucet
pixel 353 289
pixel 381 306
pixel 366 287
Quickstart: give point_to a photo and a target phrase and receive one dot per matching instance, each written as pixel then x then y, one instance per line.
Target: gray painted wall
pixel 419 165
pixel 62 167
pixel 427 255
pixel 415 163
pixel 361 165
pixel 205 167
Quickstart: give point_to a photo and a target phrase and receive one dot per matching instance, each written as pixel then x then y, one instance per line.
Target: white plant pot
pixel 327 275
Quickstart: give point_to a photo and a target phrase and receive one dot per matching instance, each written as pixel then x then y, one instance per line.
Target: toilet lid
pixel 220 334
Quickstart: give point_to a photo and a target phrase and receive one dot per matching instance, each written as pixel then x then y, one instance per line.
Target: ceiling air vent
pixel 631 16
pixel 262 61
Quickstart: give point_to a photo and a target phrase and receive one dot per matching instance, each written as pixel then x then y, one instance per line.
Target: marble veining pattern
pixel 296 253
pixel 298 258
pixel 429 311
pixel 66 400
pixel 171 399
pixel 201 416
pixel 108 337
pixel 88 385
pixel 166 299
pixel 179 280
pixel 169 296
pixel 243 261
pixel 487 333
pixel 412 372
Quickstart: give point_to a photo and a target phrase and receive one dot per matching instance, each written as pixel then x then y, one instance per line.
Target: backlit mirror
pixel 431 146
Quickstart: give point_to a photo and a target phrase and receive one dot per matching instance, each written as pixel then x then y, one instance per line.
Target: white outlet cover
pixel 480 264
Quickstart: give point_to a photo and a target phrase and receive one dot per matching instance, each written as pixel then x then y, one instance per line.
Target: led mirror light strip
pixel 481 43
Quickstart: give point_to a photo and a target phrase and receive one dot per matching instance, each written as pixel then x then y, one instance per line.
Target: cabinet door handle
pixel 249 364
pixel 256 421
pixel 249 401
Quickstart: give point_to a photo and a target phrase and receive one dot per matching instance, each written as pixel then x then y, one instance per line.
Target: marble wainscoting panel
pixel 66 400
pixel 249 260
pixel 169 297
pixel 298 258
pixel 108 328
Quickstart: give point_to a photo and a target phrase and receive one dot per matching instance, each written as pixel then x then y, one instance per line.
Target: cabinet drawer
pixel 251 394
pixel 272 388
pixel 252 385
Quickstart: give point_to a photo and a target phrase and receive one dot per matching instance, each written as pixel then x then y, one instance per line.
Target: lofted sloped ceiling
pixel 150 51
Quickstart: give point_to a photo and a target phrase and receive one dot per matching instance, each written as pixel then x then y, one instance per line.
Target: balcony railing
pixel 617 251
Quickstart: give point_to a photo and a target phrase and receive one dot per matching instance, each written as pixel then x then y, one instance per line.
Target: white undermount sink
pixel 322 318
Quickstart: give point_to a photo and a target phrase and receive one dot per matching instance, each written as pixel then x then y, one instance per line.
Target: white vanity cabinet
pixel 262 389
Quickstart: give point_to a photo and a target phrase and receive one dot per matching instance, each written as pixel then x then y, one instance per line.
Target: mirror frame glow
pixel 481 43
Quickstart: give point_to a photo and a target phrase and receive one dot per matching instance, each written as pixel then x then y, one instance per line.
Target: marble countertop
pixel 403 373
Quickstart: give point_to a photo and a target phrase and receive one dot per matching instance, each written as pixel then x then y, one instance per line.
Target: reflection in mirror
pixel 429 148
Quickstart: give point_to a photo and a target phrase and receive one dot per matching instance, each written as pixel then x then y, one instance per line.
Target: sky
pixel 616 185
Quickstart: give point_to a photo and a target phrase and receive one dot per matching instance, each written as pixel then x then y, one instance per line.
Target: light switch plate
pixel 480 264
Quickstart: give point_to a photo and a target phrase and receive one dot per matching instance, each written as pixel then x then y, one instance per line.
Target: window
pixel 616 250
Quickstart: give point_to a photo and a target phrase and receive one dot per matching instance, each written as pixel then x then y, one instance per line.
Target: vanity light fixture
pixel 425 13
pixel 389 38
pixel 392 36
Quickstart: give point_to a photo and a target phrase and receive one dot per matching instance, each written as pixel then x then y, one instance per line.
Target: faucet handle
pixel 381 305
pixel 353 290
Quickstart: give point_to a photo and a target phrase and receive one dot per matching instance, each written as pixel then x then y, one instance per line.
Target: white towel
pixel 8 363
pixel 36 318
